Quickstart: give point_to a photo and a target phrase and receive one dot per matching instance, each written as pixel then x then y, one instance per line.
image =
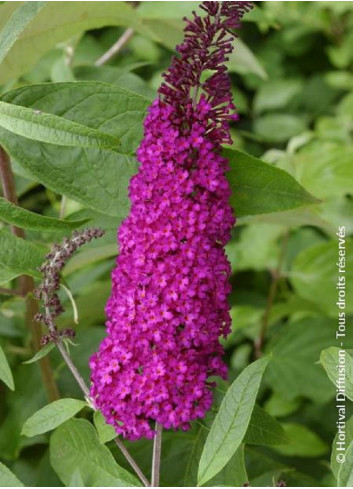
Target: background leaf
pixel 263 429
pixel 329 359
pixel 337 448
pixel 5 371
pixel 301 442
pixel 18 257
pixel 16 24
pixel 75 446
pixel 315 268
pixel 7 478
pixel 55 24
pixel 345 473
pixel 51 416
pixel 293 370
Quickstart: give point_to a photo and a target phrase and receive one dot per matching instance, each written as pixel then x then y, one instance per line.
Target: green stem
pixel 276 275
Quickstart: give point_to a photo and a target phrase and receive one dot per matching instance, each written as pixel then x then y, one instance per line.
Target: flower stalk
pixel 47 292
pixel 156 457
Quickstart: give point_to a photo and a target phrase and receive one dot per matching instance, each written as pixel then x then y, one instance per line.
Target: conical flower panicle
pixel 168 304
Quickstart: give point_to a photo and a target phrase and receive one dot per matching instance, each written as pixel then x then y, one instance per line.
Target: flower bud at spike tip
pixel 168 304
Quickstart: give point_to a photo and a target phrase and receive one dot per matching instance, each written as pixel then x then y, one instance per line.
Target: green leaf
pixel 345 473
pixel 337 455
pixel 89 256
pixel 5 371
pixel 96 177
pixel 16 24
pixel 105 431
pixel 263 469
pixel 276 94
pixel 293 371
pixel 259 188
pixel 25 219
pixel 55 24
pixel 246 254
pixel 263 429
pixel 231 422
pixel 278 128
pixel 27 398
pixel 51 416
pixel 334 358
pixel 325 168
pixel 115 76
pixel 302 442
pixel 76 480
pixel 7 478
pixel 18 257
pixel 43 352
pixel 315 269
pixel 279 406
pixel 48 128
pixel 242 60
pixel 75 446
pixel 175 10
pixel 233 473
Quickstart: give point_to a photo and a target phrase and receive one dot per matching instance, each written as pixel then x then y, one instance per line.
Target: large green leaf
pixel 231 422
pixel 55 24
pixel 75 446
pixel 18 257
pixel 7 478
pixel 52 416
pixel 345 473
pixel 293 371
pixel 259 188
pixel 315 269
pixel 95 177
pixel 16 24
pixel 334 359
pixel 5 371
pixel 25 219
pixel 48 128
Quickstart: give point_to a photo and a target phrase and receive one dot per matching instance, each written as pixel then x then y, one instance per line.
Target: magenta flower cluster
pixel 168 304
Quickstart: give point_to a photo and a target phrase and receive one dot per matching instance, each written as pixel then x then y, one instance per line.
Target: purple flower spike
pixel 168 304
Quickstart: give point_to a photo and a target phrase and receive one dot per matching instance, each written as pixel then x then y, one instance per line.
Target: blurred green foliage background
pixel 292 78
